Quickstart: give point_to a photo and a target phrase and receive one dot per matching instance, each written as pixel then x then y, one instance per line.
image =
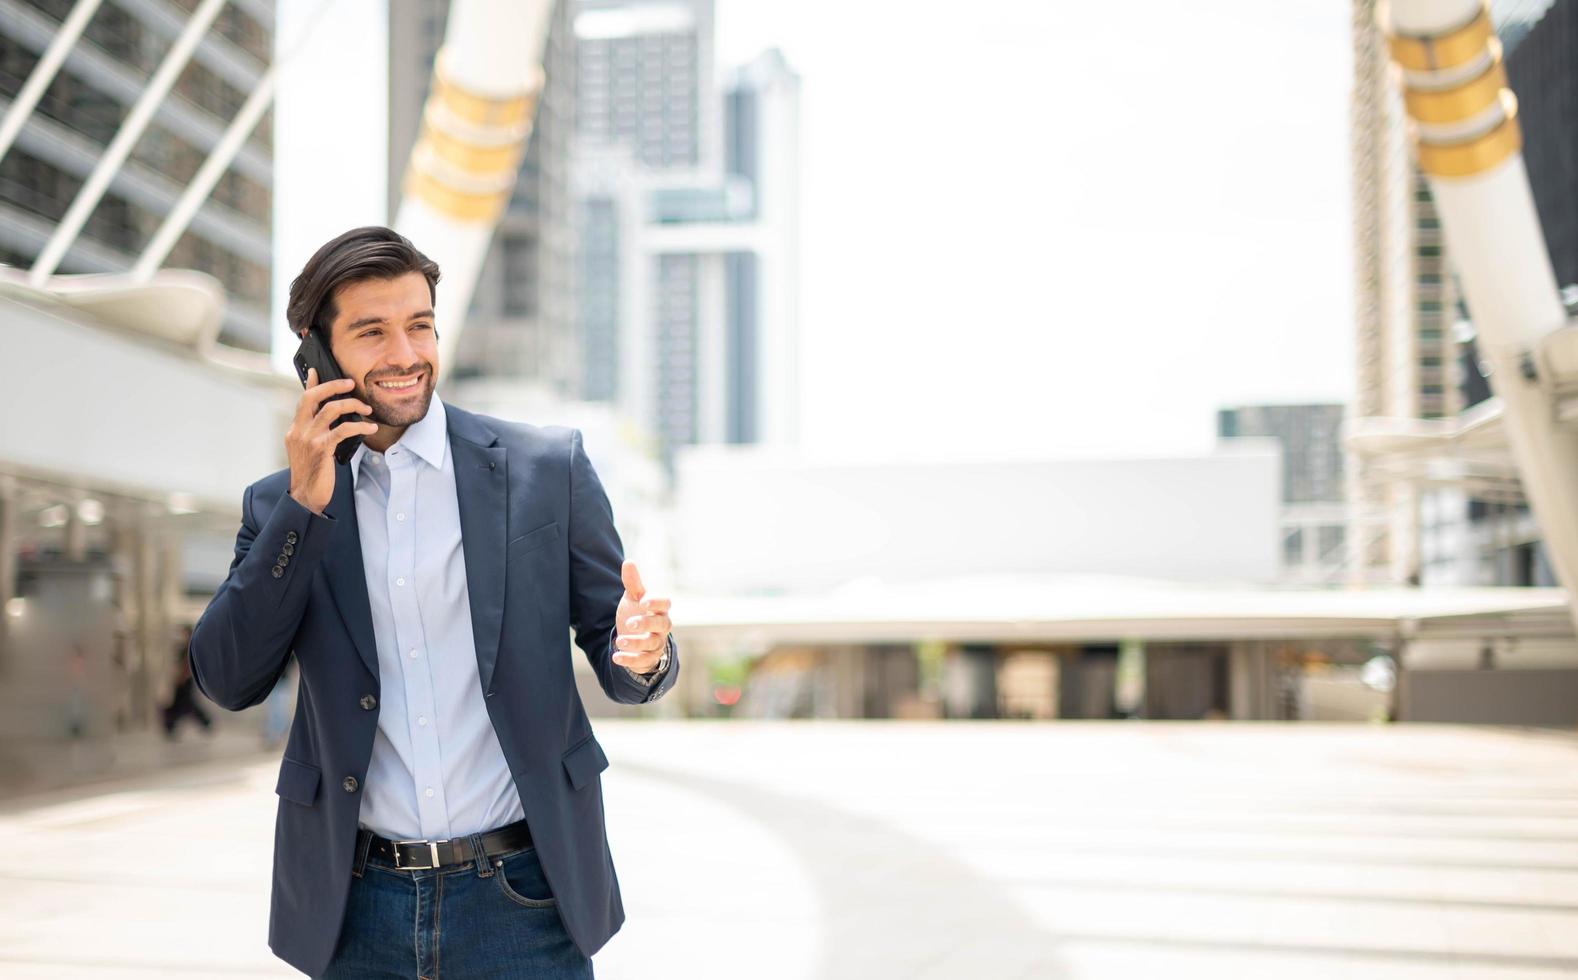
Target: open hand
pixel 641 626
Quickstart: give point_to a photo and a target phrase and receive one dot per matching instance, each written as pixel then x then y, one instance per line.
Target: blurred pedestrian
pixel 183 698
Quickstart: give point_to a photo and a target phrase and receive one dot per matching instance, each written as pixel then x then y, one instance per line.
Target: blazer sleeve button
pixel 290 537
pixel 278 571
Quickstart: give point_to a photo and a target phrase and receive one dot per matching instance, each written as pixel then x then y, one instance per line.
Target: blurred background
pixel 1157 420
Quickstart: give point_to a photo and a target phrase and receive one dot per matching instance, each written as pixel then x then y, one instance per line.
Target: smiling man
pixel 440 798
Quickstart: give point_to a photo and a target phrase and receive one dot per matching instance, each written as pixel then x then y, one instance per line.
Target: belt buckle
pixel 432 847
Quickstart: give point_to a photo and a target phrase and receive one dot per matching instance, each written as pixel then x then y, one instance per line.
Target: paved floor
pixel 969 850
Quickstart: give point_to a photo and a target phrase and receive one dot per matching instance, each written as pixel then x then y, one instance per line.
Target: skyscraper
pixel 645 78
pixel 688 210
pixel 1313 517
pixel 85 106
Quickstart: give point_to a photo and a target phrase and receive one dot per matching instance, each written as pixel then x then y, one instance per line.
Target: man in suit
pixel 440 799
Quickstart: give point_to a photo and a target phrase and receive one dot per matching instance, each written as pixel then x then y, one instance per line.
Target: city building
pixel 113 530
pixel 687 202
pixel 85 105
pixel 1541 70
pixel 1075 588
pixel 118 514
pixel 1314 512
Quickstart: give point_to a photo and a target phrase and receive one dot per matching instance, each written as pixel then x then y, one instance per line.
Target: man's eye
pixel 372 332
pixel 423 326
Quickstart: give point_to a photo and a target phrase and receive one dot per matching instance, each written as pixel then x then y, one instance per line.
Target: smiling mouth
pixel 395 384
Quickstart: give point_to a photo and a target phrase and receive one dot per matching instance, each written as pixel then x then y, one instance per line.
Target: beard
pixel 399 409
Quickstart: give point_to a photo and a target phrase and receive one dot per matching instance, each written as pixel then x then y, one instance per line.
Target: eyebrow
pixel 364 321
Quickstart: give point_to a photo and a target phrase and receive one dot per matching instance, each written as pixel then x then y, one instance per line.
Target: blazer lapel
pixel 482 489
pixel 343 571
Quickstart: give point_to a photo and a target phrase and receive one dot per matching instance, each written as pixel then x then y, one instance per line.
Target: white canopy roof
pixel 1089 608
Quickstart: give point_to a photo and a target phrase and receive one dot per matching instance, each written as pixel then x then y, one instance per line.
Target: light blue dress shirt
pixel 437 770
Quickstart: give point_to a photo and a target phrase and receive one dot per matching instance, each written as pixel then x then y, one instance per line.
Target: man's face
pixel 383 333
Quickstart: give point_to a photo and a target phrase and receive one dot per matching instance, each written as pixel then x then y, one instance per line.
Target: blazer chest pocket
pixel 298 782
pixel 584 761
pixel 531 541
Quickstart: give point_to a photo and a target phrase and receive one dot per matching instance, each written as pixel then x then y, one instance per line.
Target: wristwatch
pixel 662 663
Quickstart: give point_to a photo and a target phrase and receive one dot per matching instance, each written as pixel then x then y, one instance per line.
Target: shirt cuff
pixel 646 679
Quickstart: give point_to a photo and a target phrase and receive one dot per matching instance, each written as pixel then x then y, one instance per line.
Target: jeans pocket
pixel 520 876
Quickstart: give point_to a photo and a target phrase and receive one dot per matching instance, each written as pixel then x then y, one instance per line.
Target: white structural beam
pixel 175 223
pixel 44 72
pixel 121 146
pixel 487 79
pixel 1468 144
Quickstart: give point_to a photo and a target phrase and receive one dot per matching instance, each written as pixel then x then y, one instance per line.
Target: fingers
pixel 632 579
pixel 333 410
pixel 654 622
pixel 640 664
pixel 656 605
pixel 315 394
pixel 641 642
pixel 341 433
pixel 324 435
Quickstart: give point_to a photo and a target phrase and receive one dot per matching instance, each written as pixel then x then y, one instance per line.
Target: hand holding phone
pixel 314 355
pixel 316 433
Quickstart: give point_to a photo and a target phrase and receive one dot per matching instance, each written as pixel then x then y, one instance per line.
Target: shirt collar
pixel 427 438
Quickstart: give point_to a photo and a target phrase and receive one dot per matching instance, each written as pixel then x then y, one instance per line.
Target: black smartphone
pixel 312 354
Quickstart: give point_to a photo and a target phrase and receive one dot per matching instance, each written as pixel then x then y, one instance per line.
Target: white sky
pixel 1044 227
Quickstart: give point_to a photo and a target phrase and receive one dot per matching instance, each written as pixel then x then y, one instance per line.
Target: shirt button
pixel 430 791
pixel 349 782
pixel 399 517
pixel 399 581
pixel 422 720
pixel 413 654
pixel 369 702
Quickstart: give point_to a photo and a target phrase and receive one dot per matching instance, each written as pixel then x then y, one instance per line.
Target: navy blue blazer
pixel 542 557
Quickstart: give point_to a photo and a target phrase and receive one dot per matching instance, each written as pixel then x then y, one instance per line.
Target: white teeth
pixel 400 384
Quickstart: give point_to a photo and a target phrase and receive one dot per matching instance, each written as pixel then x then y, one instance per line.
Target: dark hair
pixel 368 252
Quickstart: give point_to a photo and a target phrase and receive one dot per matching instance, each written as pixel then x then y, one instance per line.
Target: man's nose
pixel 401 352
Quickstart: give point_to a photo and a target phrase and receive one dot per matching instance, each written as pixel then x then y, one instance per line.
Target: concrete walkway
pixel 969 850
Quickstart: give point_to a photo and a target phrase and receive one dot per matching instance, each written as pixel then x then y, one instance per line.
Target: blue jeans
pixel 493 917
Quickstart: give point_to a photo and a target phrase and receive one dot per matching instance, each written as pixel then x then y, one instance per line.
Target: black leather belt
pixel 417 855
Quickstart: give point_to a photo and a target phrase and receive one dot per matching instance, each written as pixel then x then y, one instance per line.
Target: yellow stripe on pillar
pixel 1456 47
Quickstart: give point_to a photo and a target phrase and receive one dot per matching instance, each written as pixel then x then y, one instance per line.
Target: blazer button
pixel 290 536
pixel 349 782
pixel 278 571
pixel 288 549
pixel 283 560
pixel 369 702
